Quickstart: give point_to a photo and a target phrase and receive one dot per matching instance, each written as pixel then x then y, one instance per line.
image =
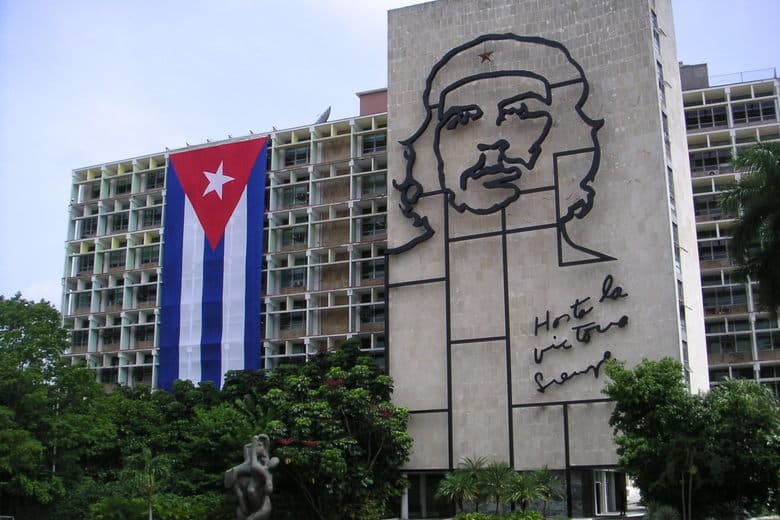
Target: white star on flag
pixel 216 181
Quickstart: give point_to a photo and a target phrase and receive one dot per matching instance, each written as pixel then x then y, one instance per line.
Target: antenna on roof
pixel 323 117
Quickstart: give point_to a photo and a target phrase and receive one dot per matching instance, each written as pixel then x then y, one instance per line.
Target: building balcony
pixel 728 358
pixel 723 310
pixel 769 355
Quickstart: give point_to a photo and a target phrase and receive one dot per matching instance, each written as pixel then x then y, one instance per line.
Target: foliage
pixel 40 400
pixel 475 479
pixel 496 480
pixel 514 515
pixel 459 486
pixel 756 237
pixel 340 439
pixel 70 451
pixel 698 454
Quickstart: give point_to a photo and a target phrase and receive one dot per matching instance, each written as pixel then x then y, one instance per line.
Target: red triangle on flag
pixel 214 179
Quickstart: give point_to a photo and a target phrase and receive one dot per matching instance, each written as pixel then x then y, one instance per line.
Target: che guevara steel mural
pixel 500 136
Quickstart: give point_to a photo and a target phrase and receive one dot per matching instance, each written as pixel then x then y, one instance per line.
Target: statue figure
pixel 252 480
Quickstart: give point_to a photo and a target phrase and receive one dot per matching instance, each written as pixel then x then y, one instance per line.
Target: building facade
pixel 541 214
pixel 324 239
pixel 507 284
pixel 721 119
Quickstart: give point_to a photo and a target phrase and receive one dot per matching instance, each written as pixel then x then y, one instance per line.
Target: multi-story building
pixel 723 116
pixel 324 248
pixel 538 159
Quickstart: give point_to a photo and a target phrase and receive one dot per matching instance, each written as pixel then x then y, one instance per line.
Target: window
pixel 374 184
pixel 155 180
pixel 109 376
pixel 89 227
pixel 661 82
pixel 294 236
pixel 754 112
pixel 116 259
pixel 150 254
pixel 371 269
pixel 86 263
pixel 373 313
pixel 147 294
pixel 372 226
pixel 768 340
pixel 94 190
pixel 294 195
pixel 720 300
pixel 80 338
pixel 374 143
pixel 144 333
pixel 705 118
pixel 111 336
pixel 727 344
pixel 83 300
pixel 123 186
pixel 152 217
pixel 665 126
pixel 710 279
pixel 294 320
pixel 738 325
pixel 656 32
pixel 719 374
pixel 297 155
pixel 711 160
pixel 120 221
pixel 708 207
pixel 293 277
pixel 714 327
pixel 113 297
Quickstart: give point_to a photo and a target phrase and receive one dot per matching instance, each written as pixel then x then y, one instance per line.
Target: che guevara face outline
pixel 482 150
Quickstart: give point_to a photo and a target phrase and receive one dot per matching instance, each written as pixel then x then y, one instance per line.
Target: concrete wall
pixel 472 307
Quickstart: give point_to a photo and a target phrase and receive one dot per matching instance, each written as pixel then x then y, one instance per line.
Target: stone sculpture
pixel 252 480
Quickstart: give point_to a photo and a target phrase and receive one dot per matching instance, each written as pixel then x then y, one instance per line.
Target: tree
pixel 746 443
pixel 459 486
pixel 496 480
pixel 684 450
pixel 756 237
pixel 522 490
pixel 31 342
pixel 340 440
pixel 548 486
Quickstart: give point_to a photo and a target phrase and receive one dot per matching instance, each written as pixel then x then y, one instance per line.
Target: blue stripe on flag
pixel 171 287
pixel 211 324
pixel 254 264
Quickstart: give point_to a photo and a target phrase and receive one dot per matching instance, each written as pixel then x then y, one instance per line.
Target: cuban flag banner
pixel 212 261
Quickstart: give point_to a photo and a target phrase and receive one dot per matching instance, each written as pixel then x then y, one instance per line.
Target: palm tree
pixel 148 474
pixel 548 486
pixel 522 490
pixel 459 486
pixel 496 480
pixel 756 239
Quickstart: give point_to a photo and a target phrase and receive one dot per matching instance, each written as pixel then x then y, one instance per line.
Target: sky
pixel 90 81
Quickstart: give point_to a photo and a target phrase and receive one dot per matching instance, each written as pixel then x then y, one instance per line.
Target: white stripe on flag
pixel 191 295
pixel 234 289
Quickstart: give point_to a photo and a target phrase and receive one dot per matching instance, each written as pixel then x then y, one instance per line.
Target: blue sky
pixel 84 82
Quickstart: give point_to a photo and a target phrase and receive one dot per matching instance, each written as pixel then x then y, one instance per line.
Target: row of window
pixel 299 155
pixel 115 259
pixel 123 185
pixel 369 227
pixel 710 117
pixel 120 222
pixel 298 195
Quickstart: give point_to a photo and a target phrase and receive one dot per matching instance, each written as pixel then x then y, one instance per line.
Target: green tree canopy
pixel 340 440
pixel 756 237
pixel 703 455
